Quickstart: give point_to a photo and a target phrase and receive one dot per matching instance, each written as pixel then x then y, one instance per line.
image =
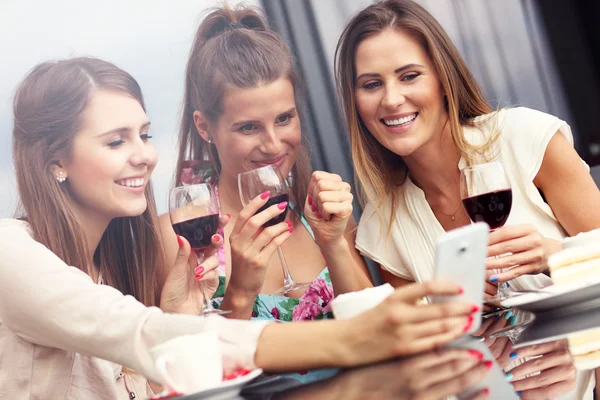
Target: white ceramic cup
pixel 348 305
pixel 190 363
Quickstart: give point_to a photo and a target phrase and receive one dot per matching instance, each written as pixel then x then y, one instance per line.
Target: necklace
pixel 449 215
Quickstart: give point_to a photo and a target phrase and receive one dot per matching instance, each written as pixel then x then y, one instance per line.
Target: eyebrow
pixel 396 71
pixel 242 123
pixel 123 130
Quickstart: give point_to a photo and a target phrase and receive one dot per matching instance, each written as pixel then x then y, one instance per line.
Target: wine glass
pixel 254 182
pixel 487 197
pixel 194 212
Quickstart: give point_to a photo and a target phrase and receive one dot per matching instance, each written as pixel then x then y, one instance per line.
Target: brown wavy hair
pixel 377 169
pixel 234 47
pixel 48 110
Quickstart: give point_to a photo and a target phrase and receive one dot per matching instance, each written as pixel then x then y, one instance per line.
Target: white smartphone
pixel 460 257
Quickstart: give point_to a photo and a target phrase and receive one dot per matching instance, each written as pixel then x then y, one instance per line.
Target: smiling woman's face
pixel 111 158
pixel 258 126
pixel 398 93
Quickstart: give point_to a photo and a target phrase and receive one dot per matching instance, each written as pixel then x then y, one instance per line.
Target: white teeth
pixel 401 121
pixel 131 182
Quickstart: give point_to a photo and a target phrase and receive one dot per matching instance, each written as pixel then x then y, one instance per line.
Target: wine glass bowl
pixel 252 184
pixel 194 213
pixel 486 194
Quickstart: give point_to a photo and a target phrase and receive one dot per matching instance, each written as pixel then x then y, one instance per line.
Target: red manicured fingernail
pixel 289 223
pixel 313 208
pixel 478 355
pixel 265 195
pixel 291 230
pixel 474 309
pixel 460 290
pixel 282 205
pixel 486 391
pixel 319 215
pixel 488 364
pixel 179 241
pixel 199 269
pixel 310 200
pixel 228 215
pixel 469 324
pixel 199 277
pixel 216 238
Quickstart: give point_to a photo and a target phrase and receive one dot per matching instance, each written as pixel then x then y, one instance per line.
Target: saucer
pixel 226 390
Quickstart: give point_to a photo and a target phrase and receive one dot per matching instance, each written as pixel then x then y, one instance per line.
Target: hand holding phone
pixel 460 257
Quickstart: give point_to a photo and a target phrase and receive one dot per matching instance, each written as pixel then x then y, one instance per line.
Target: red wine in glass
pixel 198 231
pixel 492 208
pixel 194 213
pixel 269 178
pixel 487 197
pixel 280 198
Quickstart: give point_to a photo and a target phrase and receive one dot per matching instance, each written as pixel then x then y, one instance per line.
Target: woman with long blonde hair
pixel 79 309
pixel 416 117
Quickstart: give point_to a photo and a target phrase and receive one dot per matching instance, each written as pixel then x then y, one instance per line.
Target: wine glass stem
pixel 207 306
pixel 287 277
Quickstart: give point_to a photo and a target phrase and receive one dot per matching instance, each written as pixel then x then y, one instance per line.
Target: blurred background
pixel 535 53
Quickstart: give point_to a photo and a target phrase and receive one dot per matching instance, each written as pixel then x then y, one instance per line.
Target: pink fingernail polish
pixel 476 354
pixel 289 223
pixel 469 324
pixel 282 205
pixel 319 215
pixel 179 241
pixel 216 238
pixel 199 277
pixel 291 230
pixel 265 195
pixel 488 364
pixel 309 200
pixel 199 270
pixel 313 208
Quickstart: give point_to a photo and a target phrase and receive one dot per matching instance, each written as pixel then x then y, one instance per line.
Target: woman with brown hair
pixel 77 291
pixel 241 112
pixel 416 117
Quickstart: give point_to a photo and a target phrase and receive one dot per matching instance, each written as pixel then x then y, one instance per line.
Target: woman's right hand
pixel 252 246
pixel 401 327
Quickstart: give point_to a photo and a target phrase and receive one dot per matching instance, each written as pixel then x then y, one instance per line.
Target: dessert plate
pixel 226 390
pixel 556 296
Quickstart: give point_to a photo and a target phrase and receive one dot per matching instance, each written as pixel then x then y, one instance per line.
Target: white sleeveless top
pixel 409 252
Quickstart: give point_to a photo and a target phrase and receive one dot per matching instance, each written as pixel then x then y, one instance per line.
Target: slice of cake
pixel 578 263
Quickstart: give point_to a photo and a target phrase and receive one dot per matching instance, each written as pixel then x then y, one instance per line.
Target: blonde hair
pixel 48 110
pixel 236 47
pixel 377 169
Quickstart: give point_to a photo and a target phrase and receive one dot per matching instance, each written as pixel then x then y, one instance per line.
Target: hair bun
pixel 226 19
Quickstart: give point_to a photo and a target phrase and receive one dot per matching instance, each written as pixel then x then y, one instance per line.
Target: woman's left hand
pixel 529 251
pixel 557 374
pixel 328 207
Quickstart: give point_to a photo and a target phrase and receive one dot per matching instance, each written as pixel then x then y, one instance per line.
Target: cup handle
pixel 161 368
